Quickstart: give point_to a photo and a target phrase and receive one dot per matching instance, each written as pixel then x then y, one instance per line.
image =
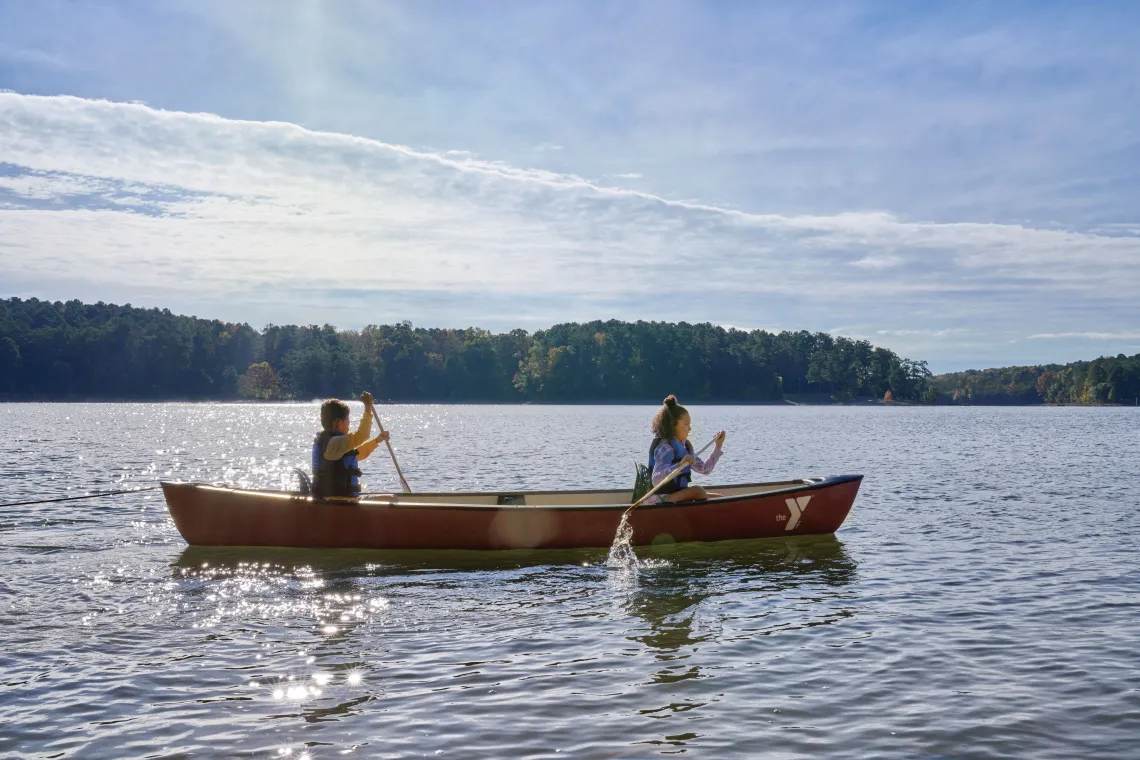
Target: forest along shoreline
pixel 72 351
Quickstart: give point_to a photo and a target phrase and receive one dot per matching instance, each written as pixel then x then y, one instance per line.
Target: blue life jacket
pixel 334 477
pixel 679 452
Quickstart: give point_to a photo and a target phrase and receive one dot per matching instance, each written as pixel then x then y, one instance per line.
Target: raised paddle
pixel 367 399
pixel 668 477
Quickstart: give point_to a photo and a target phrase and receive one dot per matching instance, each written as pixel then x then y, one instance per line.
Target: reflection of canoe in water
pixel 785 560
pixel 217 516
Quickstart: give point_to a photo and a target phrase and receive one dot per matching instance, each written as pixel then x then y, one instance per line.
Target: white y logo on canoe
pixel 796 507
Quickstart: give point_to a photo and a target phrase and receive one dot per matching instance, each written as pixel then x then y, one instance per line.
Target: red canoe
pixel 209 515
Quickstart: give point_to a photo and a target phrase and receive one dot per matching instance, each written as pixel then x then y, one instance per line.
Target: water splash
pixel 622 556
pixel 625 561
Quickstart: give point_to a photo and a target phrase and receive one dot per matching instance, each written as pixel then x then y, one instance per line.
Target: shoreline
pixel 798 401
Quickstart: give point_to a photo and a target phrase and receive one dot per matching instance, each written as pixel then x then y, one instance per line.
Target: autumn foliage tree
pixel 1107 380
pixel 259 382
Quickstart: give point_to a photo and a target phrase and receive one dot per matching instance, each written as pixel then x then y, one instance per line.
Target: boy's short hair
pixel 331 411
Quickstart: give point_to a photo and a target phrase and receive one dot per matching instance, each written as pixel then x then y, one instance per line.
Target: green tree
pixel 109 351
pixel 11 365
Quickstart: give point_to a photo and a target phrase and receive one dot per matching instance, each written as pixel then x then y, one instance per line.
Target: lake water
pixel 981 601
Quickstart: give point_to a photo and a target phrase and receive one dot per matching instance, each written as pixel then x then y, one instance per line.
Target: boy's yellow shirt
pixel 342 444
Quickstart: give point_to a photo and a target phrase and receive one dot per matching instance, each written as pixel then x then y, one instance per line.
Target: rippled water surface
pixel 980 601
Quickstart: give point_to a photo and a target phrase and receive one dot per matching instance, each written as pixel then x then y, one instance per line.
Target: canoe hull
pixel 215 516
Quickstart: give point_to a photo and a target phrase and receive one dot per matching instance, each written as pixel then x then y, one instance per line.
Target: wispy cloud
pixel 925 332
pixel 32 57
pixel 878 262
pixel 1098 336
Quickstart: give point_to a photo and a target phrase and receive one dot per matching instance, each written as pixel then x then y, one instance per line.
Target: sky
pixel 959 182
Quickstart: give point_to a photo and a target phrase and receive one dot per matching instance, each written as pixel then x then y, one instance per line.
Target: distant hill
pixel 1107 380
pixel 56 350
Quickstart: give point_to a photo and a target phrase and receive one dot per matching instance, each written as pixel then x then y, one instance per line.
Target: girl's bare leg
pixel 688 494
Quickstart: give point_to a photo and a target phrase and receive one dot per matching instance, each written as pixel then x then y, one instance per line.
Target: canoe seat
pixel 306 485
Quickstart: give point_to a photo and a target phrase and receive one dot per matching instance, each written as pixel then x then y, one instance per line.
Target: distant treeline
pixel 76 350
pixel 1108 380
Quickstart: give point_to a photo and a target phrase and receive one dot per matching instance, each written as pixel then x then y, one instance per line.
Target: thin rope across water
pixel 77 498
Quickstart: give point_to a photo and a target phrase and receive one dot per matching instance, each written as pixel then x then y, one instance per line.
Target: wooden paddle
pixel 367 399
pixel 668 477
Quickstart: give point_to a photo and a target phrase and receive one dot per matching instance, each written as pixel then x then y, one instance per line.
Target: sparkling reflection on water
pixel 981 600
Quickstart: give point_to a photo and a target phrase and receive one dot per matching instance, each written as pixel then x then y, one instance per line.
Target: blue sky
pixel 958 181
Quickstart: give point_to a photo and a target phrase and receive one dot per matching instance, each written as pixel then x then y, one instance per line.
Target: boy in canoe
pixel 337 453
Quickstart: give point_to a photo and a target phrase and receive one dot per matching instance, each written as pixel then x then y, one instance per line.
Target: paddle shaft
pixel 380 424
pixel 669 477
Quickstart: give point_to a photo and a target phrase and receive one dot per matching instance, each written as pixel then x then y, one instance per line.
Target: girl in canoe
pixel 671 448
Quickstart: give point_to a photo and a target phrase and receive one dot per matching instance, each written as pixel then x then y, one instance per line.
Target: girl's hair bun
pixel 667 417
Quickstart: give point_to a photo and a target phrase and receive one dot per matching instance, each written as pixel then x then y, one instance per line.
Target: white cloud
pixel 924 332
pixel 48 187
pixel 258 212
pixel 878 262
pixel 1125 335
